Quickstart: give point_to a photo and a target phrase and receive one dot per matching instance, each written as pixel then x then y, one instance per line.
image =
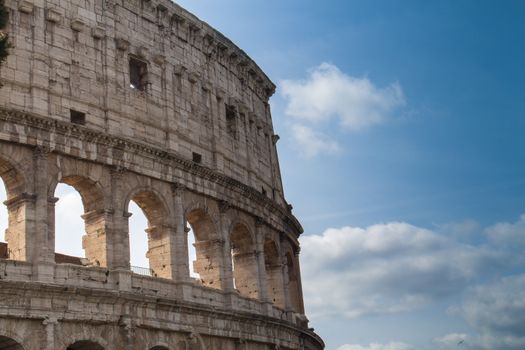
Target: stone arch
pixel 160 238
pixel 244 260
pixel 94 202
pixel 12 176
pixel 208 245
pixel 9 343
pixel 85 345
pixel 293 281
pixel 274 271
pixel 17 202
pixel 160 347
pixel 82 340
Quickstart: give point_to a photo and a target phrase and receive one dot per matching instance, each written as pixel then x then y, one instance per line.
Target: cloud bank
pixel 387 268
pixel 377 346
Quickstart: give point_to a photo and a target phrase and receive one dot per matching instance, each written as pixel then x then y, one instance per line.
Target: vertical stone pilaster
pixel 50 325
pixel 39 239
pixel 180 235
pixel 227 268
pixel 261 270
pixel 117 226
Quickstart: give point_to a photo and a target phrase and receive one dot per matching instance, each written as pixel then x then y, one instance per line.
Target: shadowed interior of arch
pixel 9 344
pixel 85 345
pixel 159 348
pixel 208 254
pixel 273 267
pixel 12 223
pixel 244 262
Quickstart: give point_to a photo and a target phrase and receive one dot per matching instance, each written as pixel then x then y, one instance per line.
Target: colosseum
pixel 139 100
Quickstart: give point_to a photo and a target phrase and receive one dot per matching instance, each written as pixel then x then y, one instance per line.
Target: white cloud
pixel 328 93
pixel 310 143
pixel 386 268
pixel 497 312
pixel 453 340
pixel 510 235
pixel 377 346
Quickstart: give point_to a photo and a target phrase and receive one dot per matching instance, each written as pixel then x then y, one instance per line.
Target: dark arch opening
pixel 274 275
pixel 159 347
pixel 84 345
pixel 9 344
pixel 208 256
pixel 244 262
pixel 293 283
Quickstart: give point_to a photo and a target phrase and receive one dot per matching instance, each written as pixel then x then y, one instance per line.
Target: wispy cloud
pixel 311 143
pixel 329 96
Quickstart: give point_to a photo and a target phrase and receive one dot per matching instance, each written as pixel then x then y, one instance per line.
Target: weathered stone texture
pixel 138 100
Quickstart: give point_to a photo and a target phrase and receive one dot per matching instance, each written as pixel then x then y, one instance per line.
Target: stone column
pixel 160 251
pixel 117 224
pixel 39 240
pixel 50 324
pixel 261 270
pixel 180 234
pixel 227 268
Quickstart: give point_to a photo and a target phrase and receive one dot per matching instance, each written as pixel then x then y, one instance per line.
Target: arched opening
pixel 274 273
pixel 208 249
pixel 192 252
pixel 3 223
pixel 293 283
pixel 68 231
pixel 159 347
pixel 69 226
pixel 9 344
pixel 138 240
pixel 244 262
pixel 15 243
pixel 159 245
pixel 84 345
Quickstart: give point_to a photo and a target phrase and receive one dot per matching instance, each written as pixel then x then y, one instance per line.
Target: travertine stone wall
pixel 191 142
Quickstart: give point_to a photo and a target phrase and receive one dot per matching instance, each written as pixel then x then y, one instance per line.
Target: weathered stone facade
pixel 139 100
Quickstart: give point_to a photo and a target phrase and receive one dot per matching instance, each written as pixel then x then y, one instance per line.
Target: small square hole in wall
pixel 77 117
pixel 138 74
pixel 197 158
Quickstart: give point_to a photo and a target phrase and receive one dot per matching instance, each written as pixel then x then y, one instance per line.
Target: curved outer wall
pixel 139 100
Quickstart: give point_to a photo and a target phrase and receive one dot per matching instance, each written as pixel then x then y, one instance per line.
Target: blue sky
pixel 402 152
pixel 404 122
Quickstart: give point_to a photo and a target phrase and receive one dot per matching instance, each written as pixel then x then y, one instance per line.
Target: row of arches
pixel 7 343
pixel 185 235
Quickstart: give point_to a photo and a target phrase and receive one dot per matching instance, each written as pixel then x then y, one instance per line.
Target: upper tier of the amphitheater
pixel 150 72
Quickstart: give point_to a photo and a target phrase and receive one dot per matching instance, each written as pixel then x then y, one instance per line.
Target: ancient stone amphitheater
pixel 138 100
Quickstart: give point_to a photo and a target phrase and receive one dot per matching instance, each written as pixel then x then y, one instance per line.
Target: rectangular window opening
pixel 197 158
pixel 138 74
pixel 77 117
pixel 231 120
